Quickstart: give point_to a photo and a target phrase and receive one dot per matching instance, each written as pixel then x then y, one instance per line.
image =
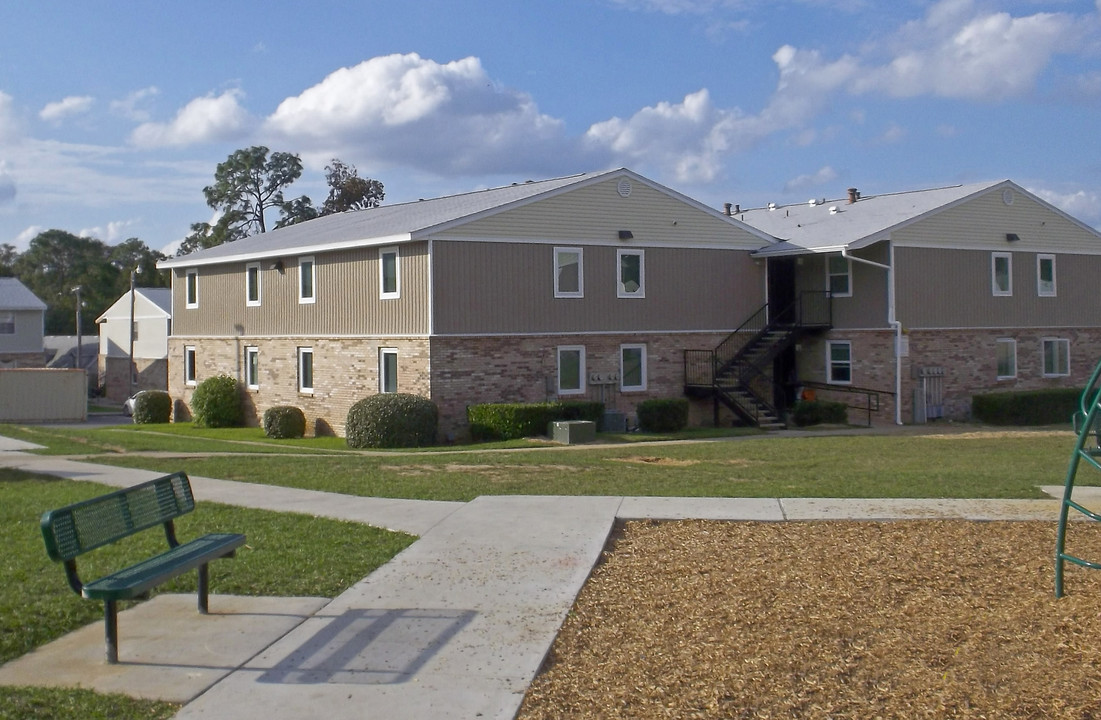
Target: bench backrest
pixel 75 529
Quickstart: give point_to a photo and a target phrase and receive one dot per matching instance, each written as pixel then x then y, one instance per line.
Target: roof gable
pixel 14 295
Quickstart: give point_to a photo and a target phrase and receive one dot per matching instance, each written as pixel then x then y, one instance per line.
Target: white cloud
pixel 112 234
pixel 206 119
pixel 1085 205
pixel 23 240
pixel 10 126
pixel 131 107
pixel 893 134
pixel 410 111
pixel 7 185
pixel 824 175
pixel 55 112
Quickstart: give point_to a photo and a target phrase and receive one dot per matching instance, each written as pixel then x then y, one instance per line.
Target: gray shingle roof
pixel 14 295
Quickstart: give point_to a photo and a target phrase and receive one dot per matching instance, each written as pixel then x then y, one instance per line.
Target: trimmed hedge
pixel 509 421
pixel 815 412
pixel 284 421
pixel 152 406
pixel 662 415
pixel 217 402
pixel 390 420
pixel 1029 407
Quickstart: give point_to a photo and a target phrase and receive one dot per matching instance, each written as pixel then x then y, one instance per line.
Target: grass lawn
pixel 286 554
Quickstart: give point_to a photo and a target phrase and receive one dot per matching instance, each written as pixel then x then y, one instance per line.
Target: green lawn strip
pixel 286 555
pixel 143 438
pixel 26 703
pixel 827 466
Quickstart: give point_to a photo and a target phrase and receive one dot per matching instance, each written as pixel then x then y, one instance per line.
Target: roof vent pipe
pixel 854 195
pixel 726 209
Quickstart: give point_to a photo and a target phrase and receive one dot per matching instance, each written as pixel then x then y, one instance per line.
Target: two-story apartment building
pixel 590 286
pixel 22 326
pixel 135 356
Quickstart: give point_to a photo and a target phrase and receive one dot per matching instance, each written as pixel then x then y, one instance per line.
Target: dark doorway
pixel 781 285
pixel 781 299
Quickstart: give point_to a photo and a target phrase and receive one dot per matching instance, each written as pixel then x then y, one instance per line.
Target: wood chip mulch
pixel 905 619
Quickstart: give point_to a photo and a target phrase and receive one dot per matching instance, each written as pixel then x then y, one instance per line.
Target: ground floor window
pixel 388 370
pixel 189 365
pixel 252 367
pixel 571 370
pixel 1006 354
pixel 839 364
pixel 305 370
pixel 632 367
pixel 1056 357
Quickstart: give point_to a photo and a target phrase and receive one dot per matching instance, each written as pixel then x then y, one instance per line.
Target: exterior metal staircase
pixel 738 372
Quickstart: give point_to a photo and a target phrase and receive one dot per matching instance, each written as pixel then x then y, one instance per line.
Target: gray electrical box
pixel 572 432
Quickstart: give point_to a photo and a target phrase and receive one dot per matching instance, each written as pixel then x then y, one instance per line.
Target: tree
pixel 348 191
pixel 133 253
pixel 227 228
pixel 54 264
pixel 295 211
pixel 249 183
pixel 8 256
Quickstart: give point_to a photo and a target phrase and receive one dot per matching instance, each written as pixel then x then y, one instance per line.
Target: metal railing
pixel 871 397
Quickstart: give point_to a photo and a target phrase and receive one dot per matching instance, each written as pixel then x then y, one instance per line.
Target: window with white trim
pixel 306 280
pixel 839 276
pixel 252 367
pixel 252 284
pixel 1001 273
pixel 305 370
pixel 189 365
pixel 1056 357
pixel 632 274
pixel 7 323
pixel 387 370
pixel 569 272
pixel 1005 353
pixel 839 362
pixel 192 288
pixel 1045 275
pixel 632 368
pixel 571 370
pixel 389 273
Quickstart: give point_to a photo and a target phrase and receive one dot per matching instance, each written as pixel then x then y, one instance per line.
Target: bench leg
pixel 204 589
pixel 111 619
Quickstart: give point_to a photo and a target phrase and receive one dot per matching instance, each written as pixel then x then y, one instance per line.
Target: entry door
pixel 781 285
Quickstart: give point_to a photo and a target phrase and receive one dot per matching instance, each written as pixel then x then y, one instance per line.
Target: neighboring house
pixel 120 375
pixel 22 326
pixel 590 286
pixel 981 288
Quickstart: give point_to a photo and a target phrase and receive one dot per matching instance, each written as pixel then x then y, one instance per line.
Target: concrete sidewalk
pixel 455 626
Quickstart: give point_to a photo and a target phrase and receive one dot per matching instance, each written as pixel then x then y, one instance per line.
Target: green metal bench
pixel 76 529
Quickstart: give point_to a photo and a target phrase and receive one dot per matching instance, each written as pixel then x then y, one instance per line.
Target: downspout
pixel 891 320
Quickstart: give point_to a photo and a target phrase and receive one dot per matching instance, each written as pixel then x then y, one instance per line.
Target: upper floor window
pixel 252 284
pixel 305 370
pixel 192 285
pixel 571 370
pixel 389 273
pixel 632 367
pixel 1005 351
pixel 305 280
pixel 252 367
pixel 839 278
pixel 632 274
pixel 1001 273
pixel 569 275
pixel 839 362
pixel 387 370
pixel 189 365
pixel 1045 275
pixel 1056 357
pixel 7 323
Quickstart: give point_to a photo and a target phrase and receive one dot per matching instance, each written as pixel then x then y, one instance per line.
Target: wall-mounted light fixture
pixel 1012 237
pixel 278 266
pixel 626 234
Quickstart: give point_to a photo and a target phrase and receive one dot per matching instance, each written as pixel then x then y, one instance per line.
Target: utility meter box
pixel 572 432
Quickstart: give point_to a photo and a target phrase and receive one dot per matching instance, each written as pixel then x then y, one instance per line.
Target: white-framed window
pixel 1056 357
pixel 252 367
pixel 191 280
pixel 252 284
pixel 571 370
pixel 839 276
pixel 305 370
pixel 1001 273
pixel 632 368
pixel 7 323
pixel 1045 275
pixel 387 370
pixel 389 273
pixel 569 272
pixel 839 362
pixel 1005 352
pixel 189 365
pixel 632 273
pixel 306 279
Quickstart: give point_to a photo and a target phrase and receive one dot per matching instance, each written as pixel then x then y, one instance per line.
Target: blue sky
pixel 114 115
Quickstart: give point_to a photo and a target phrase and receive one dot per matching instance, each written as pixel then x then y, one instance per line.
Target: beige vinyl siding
pixel 28 331
pixel 952 289
pixel 487 287
pixel 347 298
pixel 597 213
pixel 867 307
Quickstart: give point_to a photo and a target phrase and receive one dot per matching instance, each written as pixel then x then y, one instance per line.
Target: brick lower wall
pixel 151 374
pixel 23 359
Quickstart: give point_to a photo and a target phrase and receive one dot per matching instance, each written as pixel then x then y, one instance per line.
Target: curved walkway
pixel 455 626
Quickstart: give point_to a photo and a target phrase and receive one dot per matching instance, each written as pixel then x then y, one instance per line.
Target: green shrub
pixel 662 415
pixel 509 421
pixel 815 412
pixel 152 406
pixel 217 402
pixel 284 421
pixel 392 420
pixel 1030 407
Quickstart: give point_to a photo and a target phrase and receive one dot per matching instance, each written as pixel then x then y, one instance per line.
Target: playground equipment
pixel 1087 426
